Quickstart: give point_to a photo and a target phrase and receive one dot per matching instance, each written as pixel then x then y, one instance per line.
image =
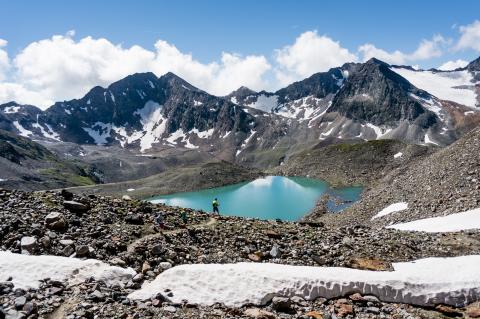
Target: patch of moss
pixel 58 174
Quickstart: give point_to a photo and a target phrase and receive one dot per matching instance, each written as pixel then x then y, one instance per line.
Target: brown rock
pixel 343 308
pixel 473 312
pixel 313 315
pixel 448 311
pixel 256 257
pixel 258 314
pixel 370 264
pixel 273 234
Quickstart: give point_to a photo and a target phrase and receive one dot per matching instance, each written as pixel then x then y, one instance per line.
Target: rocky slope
pixel 442 183
pixel 121 232
pixel 353 163
pixel 176 179
pixel 28 165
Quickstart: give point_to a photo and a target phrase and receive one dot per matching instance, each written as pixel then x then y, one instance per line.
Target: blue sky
pixel 205 29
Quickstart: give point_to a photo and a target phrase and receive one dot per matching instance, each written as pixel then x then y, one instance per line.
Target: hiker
pixel 215 205
pixel 159 220
pixel 183 216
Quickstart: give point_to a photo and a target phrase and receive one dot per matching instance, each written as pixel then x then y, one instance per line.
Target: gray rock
pixel 82 251
pixel 28 244
pixel 171 309
pixel 20 302
pixel 275 252
pixel 75 207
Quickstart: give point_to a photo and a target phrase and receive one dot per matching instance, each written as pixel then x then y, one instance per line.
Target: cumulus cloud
pixel 4 60
pixel 452 65
pixel 219 78
pixel 62 68
pixel 309 54
pixel 470 37
pixel 426 49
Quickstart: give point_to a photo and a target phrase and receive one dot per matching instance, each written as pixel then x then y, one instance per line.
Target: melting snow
pixel 203 134
pixel 265 103
pixel 27 271
pixel 429 141
pixel 379 132
pixel 112 97
pixel 11 109
pixel 393 208
pixel 444 85
pixel 51 134
pixel 450 223
pixel 452 281
pixel 399 154
pixel 99 132
pixel 153 124
pixel 197 103
pixel 151 84
pixel 22 131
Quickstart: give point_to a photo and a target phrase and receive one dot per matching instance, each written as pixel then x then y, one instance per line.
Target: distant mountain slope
pixel 443 183
pixel 357 101
pixel 29 165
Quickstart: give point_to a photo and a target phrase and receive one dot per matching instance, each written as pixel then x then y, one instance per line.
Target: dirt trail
pixel 210 223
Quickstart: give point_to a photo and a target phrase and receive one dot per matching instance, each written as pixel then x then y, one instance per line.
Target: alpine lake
pixel 271 197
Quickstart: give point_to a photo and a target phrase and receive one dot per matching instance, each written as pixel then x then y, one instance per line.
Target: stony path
pixel 210 223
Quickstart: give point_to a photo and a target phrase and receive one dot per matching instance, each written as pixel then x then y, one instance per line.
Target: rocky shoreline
pixel 121 232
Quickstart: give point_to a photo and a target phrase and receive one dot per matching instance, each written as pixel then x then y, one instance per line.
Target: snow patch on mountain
pixel 265 103
pixel 11 109
pixel 203 134
pixel 99 132
pixel 425 282
pixel 51 134
pixel 429 141
pixel 454 86
pixel 393 208
pixel 22 131
pixel 379 132
pixel 443 224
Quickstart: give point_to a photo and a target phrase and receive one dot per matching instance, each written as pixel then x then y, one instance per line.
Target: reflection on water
pixel 272 197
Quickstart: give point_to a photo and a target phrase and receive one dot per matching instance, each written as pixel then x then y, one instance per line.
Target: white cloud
pixel 426 49
pixel 219 78
pixel 4 60
pixel 452 65
pixel 470 37
pixel 62 68
pixel 309 54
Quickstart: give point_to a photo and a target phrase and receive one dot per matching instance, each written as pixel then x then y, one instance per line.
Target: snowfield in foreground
pixel 452 281
pixel 443 224
pixel 27 271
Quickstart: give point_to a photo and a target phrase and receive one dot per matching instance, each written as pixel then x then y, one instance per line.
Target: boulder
pixel 56 221
pixel 67 195
pixel 28 244
pixel 75 207
pixel 275 252
pixel 82 251
pixel 134 219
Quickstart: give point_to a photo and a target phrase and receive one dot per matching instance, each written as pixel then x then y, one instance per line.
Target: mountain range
pixel 356 101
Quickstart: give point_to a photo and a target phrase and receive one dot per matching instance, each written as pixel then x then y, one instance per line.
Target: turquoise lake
pixel 272 197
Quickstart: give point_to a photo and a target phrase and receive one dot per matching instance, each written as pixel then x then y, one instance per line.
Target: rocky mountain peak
pixel 375 94
pixel 474 65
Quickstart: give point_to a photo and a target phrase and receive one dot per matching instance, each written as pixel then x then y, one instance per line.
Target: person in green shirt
pixel 183 216
pixel 215 205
